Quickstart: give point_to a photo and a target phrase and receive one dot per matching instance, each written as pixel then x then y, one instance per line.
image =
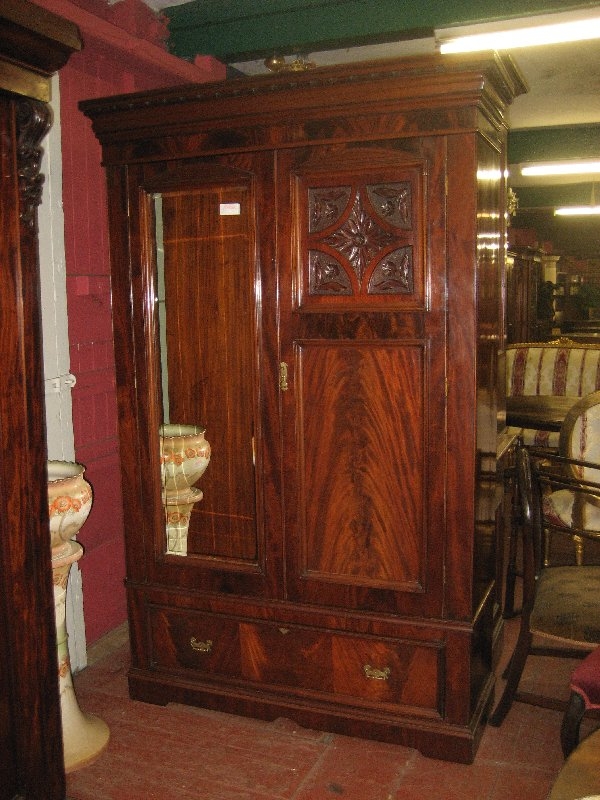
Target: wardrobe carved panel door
pixel 364 340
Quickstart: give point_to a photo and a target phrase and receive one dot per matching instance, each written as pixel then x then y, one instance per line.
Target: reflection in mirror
pixel 205 293
pixel 184 456
pixel 184 452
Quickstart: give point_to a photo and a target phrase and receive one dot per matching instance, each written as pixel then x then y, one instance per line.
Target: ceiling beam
pixel 250 29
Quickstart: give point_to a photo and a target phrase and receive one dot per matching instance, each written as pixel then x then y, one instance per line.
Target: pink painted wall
pixel 123 51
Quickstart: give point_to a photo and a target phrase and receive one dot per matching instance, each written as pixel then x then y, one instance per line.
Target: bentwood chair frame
pixel 579 439
pixel 561 605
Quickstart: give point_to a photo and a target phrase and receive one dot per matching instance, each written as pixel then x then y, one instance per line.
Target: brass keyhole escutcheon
pixel 375 674
pixel 201 647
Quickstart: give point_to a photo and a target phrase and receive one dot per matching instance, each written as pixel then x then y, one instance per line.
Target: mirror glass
pixel 207 332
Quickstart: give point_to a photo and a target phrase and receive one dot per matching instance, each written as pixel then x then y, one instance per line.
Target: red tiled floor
pixel 356 769
pixel 183 753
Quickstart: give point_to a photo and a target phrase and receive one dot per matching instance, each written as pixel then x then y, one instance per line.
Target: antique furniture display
pixel 529 296
pixel 543 381
pixel 560 603
pixel 543 413
pixel 580 440
pixel 577 422
pixel 307 268
pixel 33 45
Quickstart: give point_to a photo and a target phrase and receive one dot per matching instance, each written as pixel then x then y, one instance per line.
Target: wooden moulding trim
pixel 49 26
pixel 26 82
pixel 205 68
pixel 410 81
pixel 33 46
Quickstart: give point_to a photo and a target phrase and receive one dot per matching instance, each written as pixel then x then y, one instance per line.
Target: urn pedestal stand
pixel 69 502
pixel 178 510
pixel 184 455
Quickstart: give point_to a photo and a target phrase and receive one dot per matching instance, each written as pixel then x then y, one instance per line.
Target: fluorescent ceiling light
pixel 577 211
pixel 523 32
pixel 583 167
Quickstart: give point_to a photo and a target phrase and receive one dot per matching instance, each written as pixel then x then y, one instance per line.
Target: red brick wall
pixel 91 343
pixel 114 60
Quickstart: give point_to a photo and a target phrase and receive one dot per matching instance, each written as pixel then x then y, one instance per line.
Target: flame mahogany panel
pixel 361 444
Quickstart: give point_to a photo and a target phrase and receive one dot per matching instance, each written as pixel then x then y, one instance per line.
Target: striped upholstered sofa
pixel 561 367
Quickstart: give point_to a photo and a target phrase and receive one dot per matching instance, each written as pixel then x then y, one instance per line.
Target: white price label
pixel 229 209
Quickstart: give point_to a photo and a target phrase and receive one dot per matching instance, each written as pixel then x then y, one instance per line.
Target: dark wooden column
pixel 33 45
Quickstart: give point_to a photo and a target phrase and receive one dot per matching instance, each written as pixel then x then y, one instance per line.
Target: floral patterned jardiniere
pixel 69 503
pixel 184 457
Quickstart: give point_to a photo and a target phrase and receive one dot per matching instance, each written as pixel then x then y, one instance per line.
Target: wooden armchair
pixel 562 368
pixel 561 605
pixel 579 439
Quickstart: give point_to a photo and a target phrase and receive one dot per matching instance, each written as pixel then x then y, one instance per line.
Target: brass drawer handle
pixel 201 647
pixel 375 674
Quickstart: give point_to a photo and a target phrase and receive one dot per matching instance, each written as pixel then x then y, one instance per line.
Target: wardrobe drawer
pixel 202 642
pixel 397 672
pixel 345 667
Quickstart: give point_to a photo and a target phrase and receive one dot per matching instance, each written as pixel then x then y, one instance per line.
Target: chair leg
pixel 512 555
pixel 547 547
pixel 515 670
pixel 578 542
pixel 569 731
pixel 511 576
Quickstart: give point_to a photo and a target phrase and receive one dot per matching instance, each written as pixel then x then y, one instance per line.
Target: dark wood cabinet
pixel 33 45
pixel 309 266
pixel 529 304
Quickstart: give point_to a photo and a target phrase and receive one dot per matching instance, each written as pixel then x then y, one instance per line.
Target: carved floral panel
pixel 360 239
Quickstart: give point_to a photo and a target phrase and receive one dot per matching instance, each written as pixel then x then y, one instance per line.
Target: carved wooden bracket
pixel 33 122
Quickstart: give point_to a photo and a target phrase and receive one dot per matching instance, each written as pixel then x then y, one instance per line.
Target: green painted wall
pixel 572 194
pixel 539 144
pixel 233 30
